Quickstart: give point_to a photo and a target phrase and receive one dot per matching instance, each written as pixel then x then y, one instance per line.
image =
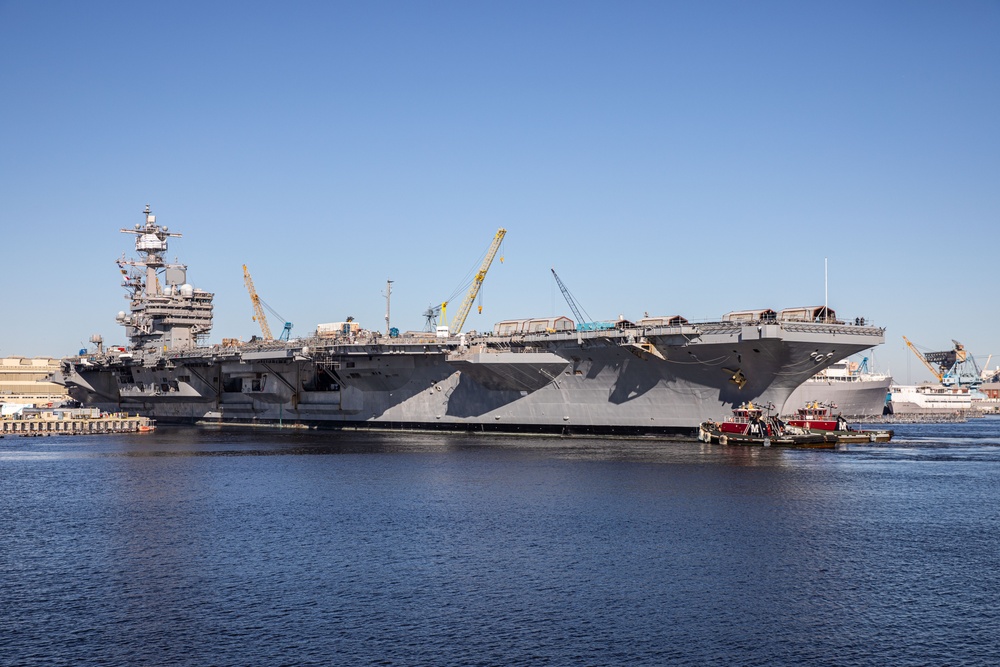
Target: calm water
pixel 189 547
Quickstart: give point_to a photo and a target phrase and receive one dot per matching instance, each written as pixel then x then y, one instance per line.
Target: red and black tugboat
pixel 819 418
pixel 751 425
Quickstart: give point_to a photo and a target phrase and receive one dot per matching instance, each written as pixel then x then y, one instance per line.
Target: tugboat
pixel 819 418
pixel 749 425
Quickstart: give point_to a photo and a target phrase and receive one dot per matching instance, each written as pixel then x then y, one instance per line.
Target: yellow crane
pixel 258 308
pixel 259 317
pixel 463 310
pixel 935 372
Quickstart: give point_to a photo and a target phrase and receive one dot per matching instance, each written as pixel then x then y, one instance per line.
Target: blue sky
pixel 677 158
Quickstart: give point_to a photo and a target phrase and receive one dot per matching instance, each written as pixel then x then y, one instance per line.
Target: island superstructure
pixel 653 376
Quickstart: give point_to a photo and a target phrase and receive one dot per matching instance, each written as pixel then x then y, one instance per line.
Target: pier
pixel 73 422
pixel 956 417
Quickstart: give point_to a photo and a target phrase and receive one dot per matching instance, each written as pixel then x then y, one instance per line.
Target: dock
pixel 77 421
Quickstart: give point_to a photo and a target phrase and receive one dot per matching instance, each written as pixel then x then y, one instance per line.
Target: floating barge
pixel 76 421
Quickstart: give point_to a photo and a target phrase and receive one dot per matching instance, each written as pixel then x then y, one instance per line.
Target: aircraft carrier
pixel 654 376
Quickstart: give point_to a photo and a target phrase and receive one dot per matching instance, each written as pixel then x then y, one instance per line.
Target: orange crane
pixel 258 309
pixel 259 317
pixel 935 372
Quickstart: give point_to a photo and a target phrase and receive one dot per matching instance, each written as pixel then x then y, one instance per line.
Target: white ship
pixel 929 399
pixel 849 385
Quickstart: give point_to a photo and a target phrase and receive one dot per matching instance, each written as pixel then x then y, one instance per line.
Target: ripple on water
pixel 232 548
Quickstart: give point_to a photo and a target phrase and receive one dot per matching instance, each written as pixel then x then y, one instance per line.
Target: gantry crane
pixel 463 310
pixel 954 366
pixel 258 308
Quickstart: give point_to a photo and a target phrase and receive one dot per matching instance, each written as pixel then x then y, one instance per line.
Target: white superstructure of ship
pixel 929 399
pixel 652 376
pixel 850 385
pixel 957 389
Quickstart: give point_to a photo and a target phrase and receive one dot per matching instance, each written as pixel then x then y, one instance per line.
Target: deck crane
pixel 583 320
pixel 571 301
pixel 463 310
pixel 431 317
pixel 258 309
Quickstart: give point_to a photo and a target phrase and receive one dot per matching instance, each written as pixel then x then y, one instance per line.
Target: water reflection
pixel 262 547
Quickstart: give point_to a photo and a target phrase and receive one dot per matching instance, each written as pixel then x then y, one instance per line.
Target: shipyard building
pixel 24 381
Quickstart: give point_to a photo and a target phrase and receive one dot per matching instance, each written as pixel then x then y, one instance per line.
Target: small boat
pixel 749 425
pixel 819 418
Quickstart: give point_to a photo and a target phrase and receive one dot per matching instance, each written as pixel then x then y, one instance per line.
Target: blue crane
pixel 583 319
pixel 569 298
